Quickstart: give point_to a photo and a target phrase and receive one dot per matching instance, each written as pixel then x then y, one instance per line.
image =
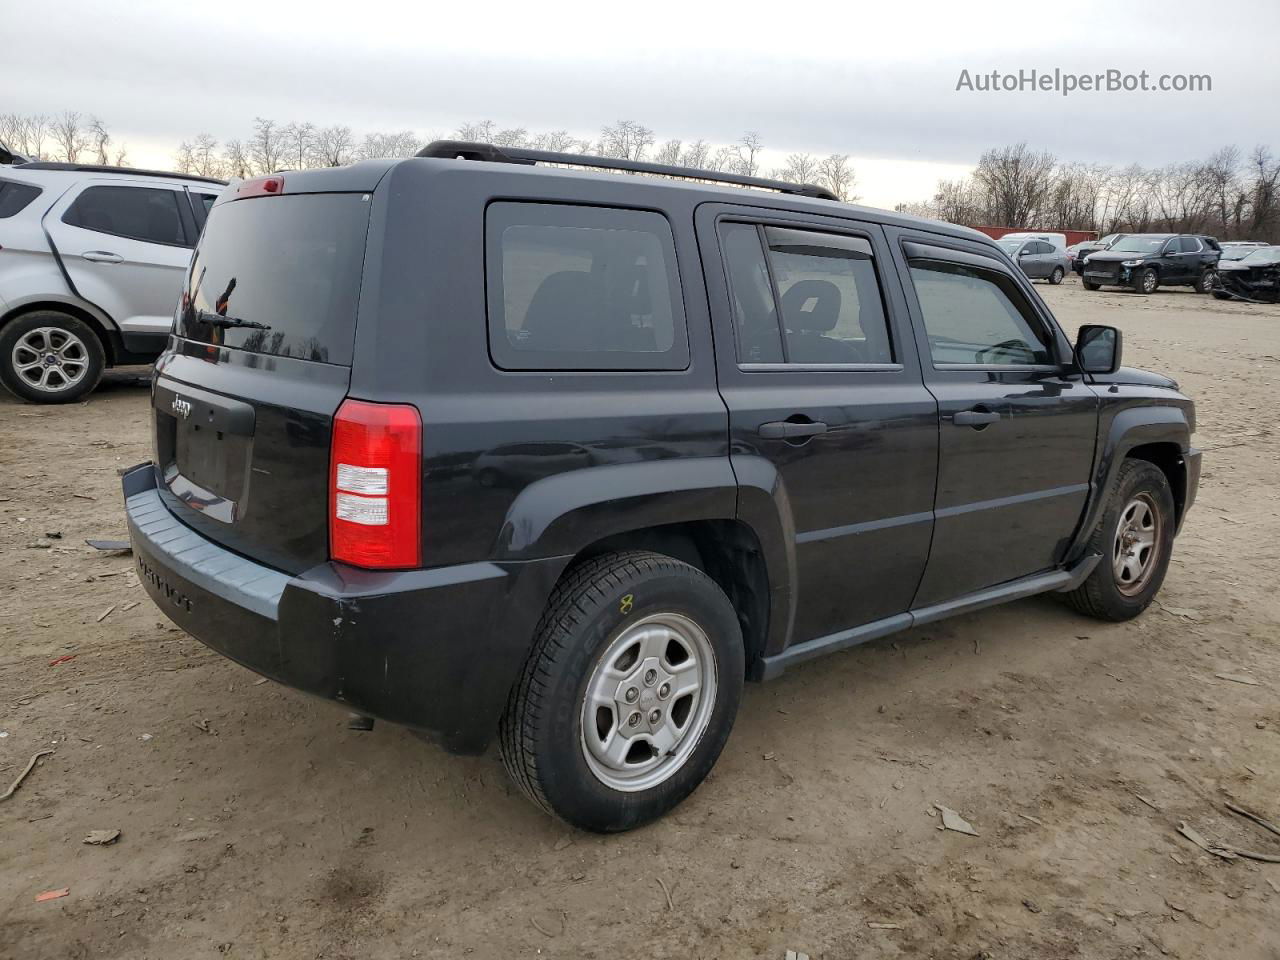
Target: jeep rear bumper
pixel 436 650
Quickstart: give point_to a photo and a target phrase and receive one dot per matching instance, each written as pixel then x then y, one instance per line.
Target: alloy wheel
pixel 50 359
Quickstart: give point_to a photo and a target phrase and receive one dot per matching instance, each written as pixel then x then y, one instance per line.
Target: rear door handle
pixel 974 418
pixel 102 256
pixel 786 430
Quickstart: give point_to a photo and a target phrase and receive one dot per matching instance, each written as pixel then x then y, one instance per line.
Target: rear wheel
pixel 1135 538
pixel 1055 278
pixel 1204 283
pixel 629 693
pixel 50 357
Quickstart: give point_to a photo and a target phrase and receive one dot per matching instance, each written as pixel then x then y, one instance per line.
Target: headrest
pixel 811 306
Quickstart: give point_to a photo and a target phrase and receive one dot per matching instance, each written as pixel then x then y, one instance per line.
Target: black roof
pixel 106 168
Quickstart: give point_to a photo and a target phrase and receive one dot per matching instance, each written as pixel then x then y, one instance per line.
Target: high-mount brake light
pixel 375 483
pixel 261 187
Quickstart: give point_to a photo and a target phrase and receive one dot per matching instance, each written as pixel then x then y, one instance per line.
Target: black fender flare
pixel 763 505
pixel 562 514
pixel 1131 428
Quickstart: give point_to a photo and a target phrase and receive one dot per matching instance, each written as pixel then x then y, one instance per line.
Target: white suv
pixel 91 263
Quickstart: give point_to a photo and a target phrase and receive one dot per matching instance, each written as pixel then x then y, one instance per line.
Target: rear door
pixel 244 402
pixel 820 375
pixel 1016 427
pixel 125 246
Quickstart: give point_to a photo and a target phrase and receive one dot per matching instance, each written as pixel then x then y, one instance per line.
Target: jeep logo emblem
pixel 181 407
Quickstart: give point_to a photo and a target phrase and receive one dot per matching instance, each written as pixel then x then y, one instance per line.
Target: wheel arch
pixel 106 333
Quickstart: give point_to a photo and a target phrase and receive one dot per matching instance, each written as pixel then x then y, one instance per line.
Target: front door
pixel 1016 426
pixel 818 369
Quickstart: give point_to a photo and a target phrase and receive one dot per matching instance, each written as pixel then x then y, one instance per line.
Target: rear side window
pixel 976 316
pixel 583 288
pixel 14 196
pixel 1189 245
pixel 279 275
pixel 139 213
pixel 823 286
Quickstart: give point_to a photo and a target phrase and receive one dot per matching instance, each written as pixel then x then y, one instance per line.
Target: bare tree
pixel 236 161
pixel 837 175
pixel 800 168
pixel 696 154
pixel 184 161
pixel 668 153
pixel 99 141
pixel 70 135
pixel 266 146
pixel 626 140
pixel 748 149
pixel 1016 182
pixel 512 137
pixel 403 143
pixel 557 141
pixel 334 146
pixel 300 139
pixel 479 132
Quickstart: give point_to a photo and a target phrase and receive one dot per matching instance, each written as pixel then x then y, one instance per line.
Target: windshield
pixel 1109 239
pixel 1139 245
pixel 1010 246
pixel 1262 256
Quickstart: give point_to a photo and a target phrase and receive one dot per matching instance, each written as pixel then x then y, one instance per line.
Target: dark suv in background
pixel 481 446
pixel 1144 262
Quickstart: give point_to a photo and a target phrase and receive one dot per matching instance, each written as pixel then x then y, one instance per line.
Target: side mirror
pixel 1023 252
pixel 1098 348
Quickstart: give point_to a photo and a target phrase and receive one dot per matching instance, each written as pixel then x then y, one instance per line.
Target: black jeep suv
pixel 1145 261
pixel 482 446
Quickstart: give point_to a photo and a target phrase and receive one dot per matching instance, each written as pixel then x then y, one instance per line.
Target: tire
pixel 1105 595
pixel 1090 285
pixel 1204 282
pixel 50 357
pixel 1146 281
pixel 617 609
pixel 1055 278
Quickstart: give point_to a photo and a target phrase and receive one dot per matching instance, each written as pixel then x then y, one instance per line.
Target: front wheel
pixel 50 357
pixel 1146 281
pixel 629 693
pixel 1135 538
pixel 1055 278
pixel 1090 285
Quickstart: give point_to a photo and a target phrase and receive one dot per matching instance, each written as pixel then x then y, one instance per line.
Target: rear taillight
pixel 375 482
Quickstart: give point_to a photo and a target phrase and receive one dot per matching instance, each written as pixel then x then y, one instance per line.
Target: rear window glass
pixel 279 275
pixel 583 288
pixel 14 196
pixel 139 213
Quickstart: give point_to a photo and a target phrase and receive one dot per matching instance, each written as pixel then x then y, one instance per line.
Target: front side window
pixel 583 288
pixel 974 316
pixel 139 213
pixel 14 196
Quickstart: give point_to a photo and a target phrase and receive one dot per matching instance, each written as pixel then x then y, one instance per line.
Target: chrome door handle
pixel 102 256
pixel 786 430
pixel 974 418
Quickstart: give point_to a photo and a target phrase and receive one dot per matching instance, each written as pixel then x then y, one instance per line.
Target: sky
pixel 875 81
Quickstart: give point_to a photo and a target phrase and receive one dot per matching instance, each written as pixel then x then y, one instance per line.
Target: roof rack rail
pixel 107 168
pixel 464 150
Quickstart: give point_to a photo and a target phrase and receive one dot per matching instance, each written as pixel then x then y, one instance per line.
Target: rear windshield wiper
pixel 219 320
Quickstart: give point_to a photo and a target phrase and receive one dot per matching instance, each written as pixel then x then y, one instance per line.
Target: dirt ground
pixel 253 824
